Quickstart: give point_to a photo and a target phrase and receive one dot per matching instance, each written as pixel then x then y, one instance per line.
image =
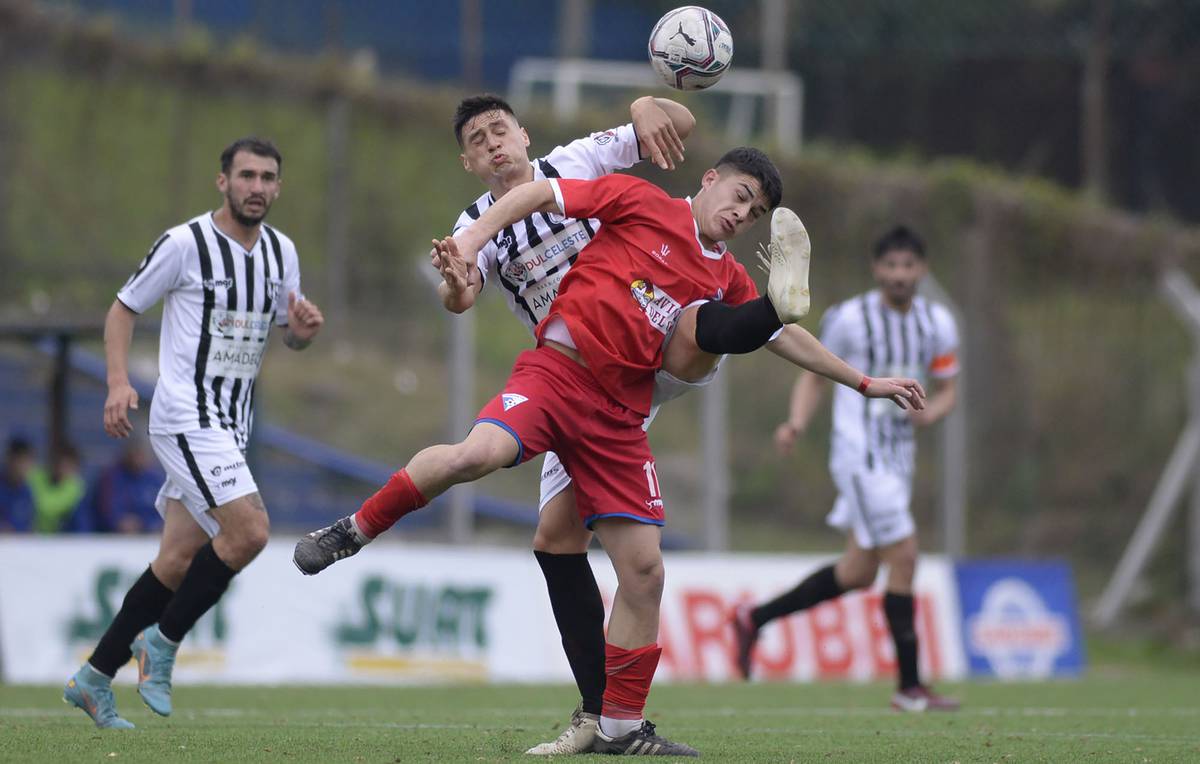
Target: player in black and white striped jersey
pixel 225 278
pixel 889 330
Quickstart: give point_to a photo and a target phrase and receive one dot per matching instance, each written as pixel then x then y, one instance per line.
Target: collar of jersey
pixel 711 254
pixel 217 229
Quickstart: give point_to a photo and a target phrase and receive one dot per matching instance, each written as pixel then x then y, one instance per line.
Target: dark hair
pixel 18 445
pixel 475 105
pixel 260 146
pixel 756 164
pixel 900 239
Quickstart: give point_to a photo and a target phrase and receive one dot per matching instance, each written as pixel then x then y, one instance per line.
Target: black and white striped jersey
pixel 922 343
pixel 219 301
pixel 529 259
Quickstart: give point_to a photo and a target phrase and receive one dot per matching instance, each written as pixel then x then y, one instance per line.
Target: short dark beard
pixel 244 219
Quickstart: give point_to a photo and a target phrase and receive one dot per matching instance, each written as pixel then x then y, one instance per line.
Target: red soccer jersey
pixel 627 289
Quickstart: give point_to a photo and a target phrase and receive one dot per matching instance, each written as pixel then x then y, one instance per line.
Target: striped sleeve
pixel 945 344
pixel 286 260
pixel 159 272
pixel 596 155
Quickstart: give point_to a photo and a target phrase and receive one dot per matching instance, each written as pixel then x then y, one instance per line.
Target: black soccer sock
pixel 899 611
pixel 722 329
pixel 206 580
pixel 579 613
pixel 144 603
pixel 817 588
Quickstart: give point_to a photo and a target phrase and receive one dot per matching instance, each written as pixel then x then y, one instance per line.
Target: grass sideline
pixel 1136 716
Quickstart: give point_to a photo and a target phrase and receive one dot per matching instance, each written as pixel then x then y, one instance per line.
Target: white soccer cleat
pixel 578 737
pixel 786 258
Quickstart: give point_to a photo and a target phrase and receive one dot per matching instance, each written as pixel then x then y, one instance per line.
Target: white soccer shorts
pixel 874 505
pixel 205 470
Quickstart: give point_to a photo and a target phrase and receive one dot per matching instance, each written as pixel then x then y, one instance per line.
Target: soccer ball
pixel 690 48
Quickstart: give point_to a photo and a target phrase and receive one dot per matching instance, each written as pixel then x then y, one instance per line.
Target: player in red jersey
pixel 586 389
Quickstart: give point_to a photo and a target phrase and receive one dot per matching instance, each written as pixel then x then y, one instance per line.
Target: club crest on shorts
pixel 512 399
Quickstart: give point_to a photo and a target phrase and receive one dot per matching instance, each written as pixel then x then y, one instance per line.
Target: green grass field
pixel 1126 716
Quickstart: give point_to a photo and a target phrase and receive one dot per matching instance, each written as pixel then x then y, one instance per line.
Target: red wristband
pixel 862 386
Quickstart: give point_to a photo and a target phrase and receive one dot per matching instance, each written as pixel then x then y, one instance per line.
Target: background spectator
pixel 57 491
pixel 121 498
pixel 16 497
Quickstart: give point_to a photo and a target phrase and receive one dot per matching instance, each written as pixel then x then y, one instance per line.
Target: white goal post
pixel 782 92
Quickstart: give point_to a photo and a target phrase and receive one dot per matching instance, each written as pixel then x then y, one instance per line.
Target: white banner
pixel 407 613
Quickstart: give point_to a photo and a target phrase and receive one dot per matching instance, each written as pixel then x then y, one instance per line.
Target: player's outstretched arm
pixel 661 126
pixel 118 334
pixel 797 345
pixel 517 204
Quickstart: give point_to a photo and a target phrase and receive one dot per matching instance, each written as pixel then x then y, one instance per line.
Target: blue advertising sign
pixel 1020 619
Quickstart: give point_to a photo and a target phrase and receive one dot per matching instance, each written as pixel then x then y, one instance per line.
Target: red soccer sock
pixel 629 675
pixel 390 503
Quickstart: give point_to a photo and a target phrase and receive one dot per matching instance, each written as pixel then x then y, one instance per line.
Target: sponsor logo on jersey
pixel 661 253
pixel 211 284
pixel 604 138
pixel 512 399
pixel 550 254
pixel 660 308
pixel 231 322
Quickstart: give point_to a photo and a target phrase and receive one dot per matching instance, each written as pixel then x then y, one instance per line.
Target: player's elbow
pixel 684 121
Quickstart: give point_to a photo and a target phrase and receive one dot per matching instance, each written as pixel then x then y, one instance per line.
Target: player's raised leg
pixel 487 448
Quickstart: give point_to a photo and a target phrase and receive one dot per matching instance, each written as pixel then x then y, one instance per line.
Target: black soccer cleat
pixel 641 742
pixel 320 549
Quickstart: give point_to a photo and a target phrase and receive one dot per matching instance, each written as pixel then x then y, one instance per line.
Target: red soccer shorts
pixel 551 403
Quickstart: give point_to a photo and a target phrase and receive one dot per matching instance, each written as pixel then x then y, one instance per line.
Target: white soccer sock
pixel 614 728
pixel 359 536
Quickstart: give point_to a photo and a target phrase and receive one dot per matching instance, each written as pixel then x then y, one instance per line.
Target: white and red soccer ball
pixel 690 48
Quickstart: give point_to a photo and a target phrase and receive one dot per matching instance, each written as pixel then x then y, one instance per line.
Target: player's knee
pixel 240 541
pixel 645 577
pixel 684 360
pixel 171 565
pixel 257 536
pixel 902 568
pixel 471 461
pixel 556 541
pixel 858 576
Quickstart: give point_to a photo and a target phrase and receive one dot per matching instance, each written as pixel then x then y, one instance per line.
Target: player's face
pixel 251 186
pixel 897 273
pixel 494 146
pixel 729 202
